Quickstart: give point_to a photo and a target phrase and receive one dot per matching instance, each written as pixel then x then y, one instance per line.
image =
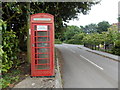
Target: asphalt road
pixel 83 69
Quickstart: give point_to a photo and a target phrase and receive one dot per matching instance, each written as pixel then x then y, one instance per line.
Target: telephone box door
pixel 42 50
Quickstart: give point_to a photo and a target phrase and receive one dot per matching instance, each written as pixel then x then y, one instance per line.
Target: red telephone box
pixel 42 44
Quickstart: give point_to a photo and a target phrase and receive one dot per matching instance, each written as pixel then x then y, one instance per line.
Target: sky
pixel 107 10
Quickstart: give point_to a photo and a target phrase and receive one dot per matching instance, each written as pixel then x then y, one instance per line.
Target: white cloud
pixel 106 11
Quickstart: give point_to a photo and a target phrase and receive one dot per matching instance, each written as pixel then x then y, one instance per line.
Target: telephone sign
pixel 42 44
pixel 42 27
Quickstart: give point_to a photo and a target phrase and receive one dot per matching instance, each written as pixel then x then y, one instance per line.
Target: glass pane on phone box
pixel 42 67
pixel 42 38
pixel 43 56
pixel 42 33
pixel 42 44
pixel 43 50
pixel 43 61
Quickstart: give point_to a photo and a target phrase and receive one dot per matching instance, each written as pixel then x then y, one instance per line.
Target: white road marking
pixel 92 62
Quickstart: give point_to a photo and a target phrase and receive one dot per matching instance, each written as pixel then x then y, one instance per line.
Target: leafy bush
pixel 8 55
pixel 9 78
pixel 57 41
pixel 116 48
pixel 71 41
pixel 1 54
pixel 10 48
pixel 77 38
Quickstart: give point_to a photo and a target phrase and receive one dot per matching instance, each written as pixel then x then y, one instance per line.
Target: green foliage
pixel 57 41
pixel 76 39
pixel 96 28
pixel 116 48
pixel 71 31
pixel 16 14
pixel 102 26
pixel 9 78
pixel 111 35
pixel 63 11
pixel 10 49
pixel 91 28
pixel 110 39
pixel 1 54
pixel 71 41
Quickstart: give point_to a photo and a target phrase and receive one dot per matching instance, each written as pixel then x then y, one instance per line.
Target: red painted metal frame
pixel 34 60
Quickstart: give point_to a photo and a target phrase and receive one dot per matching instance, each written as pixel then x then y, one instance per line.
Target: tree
pixel 110 36
pixel 71 31
pixel 91 28
pixel 87 40
pixel 113 33
pixel 93 40
pixel 16 13
pixel 77 38
pixel 16 17
pixel 102 26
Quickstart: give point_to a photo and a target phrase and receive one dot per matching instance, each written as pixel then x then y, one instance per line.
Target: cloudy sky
pixel 107 10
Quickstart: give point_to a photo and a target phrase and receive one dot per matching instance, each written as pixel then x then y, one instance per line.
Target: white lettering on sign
pixel 41 27
pixel 42 19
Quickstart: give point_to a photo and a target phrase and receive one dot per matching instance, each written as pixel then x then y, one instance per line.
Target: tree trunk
pixel 28 35
pixel 105 47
